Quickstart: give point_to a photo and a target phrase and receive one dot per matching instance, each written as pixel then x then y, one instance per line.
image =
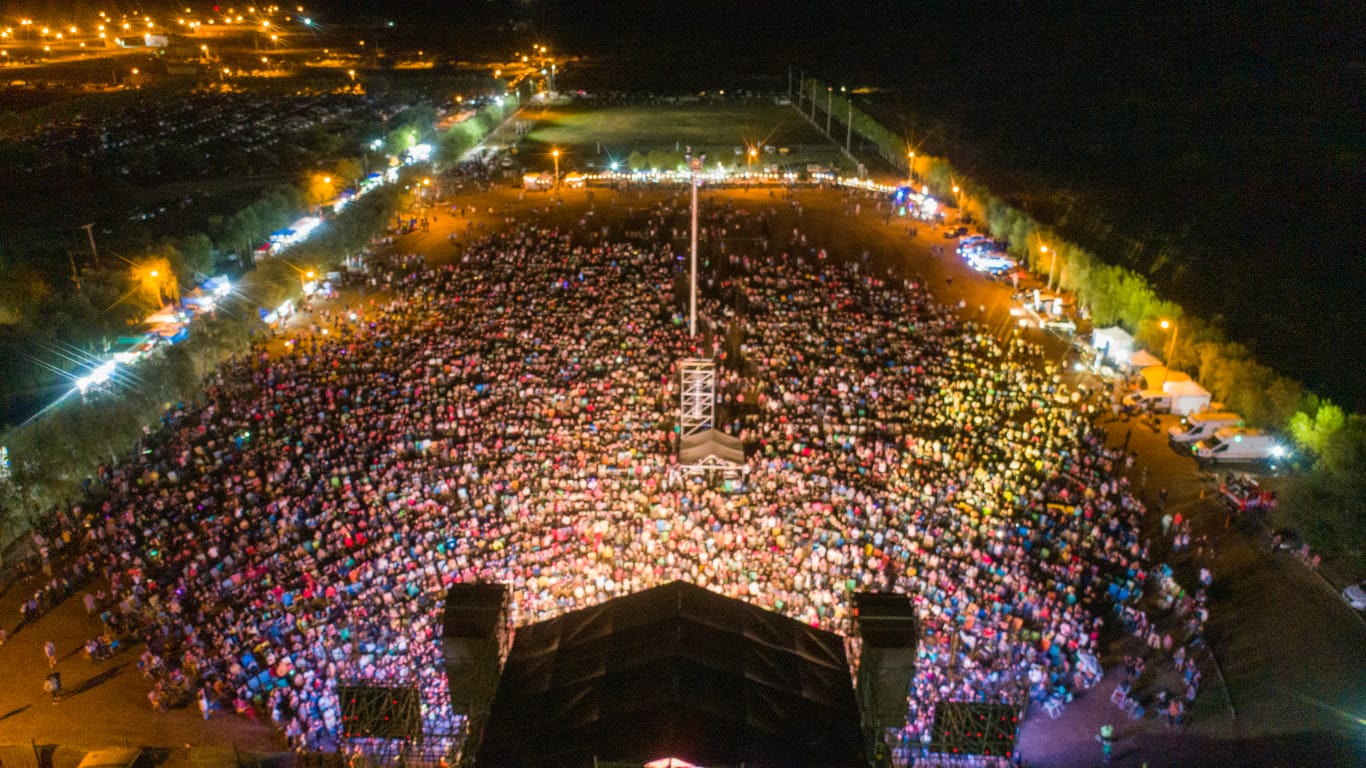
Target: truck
pixel 1179 397
pixel 1237 444
pixel 1198 426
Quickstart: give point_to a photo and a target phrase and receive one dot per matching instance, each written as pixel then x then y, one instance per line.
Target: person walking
pixel 53 685
pixel 50 650
pixel 1106 739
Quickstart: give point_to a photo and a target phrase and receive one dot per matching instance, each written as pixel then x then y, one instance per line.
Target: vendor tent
pixel 1142 358
pixel 1113 343
pixel 1157 377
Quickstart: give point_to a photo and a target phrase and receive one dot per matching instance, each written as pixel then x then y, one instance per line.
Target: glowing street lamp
pixel 1171 346
pixel 910 167
pixel 555 153
pixel 1052 264
pixel 749 157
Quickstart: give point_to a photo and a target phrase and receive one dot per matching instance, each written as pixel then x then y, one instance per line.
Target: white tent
pixel 1142 358
pixel 1113 343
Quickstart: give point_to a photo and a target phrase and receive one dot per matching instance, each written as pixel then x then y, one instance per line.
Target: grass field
pixel 594 137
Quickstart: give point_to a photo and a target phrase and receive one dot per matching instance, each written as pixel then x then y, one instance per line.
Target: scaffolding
pixel 974 730
pixel 397 709
pixel 698 399
pixel 703 449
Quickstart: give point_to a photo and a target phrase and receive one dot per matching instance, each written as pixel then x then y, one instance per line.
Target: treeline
pixel 1327 503
pixel 55 456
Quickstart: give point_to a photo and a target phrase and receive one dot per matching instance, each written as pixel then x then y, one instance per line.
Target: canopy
pixel 674 671
pixel 1114 343
pixel 1142 358
pixel 1158 377
pixel 712 446
pixel 110 758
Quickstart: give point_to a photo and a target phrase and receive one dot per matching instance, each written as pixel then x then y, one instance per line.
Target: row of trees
pixel 54 456
pixel 1327 503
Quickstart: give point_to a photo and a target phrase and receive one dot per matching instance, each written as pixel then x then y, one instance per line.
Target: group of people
pixel 513 418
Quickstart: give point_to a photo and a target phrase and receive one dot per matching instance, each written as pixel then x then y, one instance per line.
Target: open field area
pixel 595 137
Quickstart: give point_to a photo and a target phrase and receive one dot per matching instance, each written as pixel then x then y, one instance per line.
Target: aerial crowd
pixel 512 417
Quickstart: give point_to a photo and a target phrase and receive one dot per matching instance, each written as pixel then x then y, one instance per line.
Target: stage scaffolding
pixel 703 449
pixel 698 399
pixel 426 735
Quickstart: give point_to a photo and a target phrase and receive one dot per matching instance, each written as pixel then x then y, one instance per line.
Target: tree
pixel 1313 432
pixel 197 259
pixel 349 170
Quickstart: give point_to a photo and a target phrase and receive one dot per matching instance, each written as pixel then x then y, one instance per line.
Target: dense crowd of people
pixel 512 418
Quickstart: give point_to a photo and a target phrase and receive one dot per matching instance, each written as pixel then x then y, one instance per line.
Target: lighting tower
pixel 694 169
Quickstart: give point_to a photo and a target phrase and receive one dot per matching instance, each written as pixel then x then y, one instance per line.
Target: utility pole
pixel 829 104
pixel 75 276
pixel 849 125
pixel 90 233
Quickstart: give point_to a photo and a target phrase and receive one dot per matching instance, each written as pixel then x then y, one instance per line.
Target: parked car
pixel 1355 595
pixel 1285 540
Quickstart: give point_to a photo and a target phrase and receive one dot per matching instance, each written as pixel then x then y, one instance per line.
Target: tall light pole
pixel 694 166
pixel 1052 264
pixel 848 121
pixel 89 233
pixel 555 153
pixel 829 104
pixel 1171 346
pixel 910 167
pixel 749 159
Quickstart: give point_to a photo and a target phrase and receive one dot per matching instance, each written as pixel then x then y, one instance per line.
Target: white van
pixel 1237 444
pixel 1198 426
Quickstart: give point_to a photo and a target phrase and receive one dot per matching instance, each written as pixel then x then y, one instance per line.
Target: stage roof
pixel 674 671
pixel 712 444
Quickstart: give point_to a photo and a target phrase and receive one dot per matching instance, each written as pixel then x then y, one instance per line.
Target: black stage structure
pixel 674 671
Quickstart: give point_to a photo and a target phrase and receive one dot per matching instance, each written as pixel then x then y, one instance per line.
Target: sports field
pixel 595 137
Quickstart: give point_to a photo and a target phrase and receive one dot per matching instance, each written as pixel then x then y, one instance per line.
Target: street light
pixel 1171 346
pixel 555 153
pixel 910 167
pixel 749 158
pixel 1052 264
